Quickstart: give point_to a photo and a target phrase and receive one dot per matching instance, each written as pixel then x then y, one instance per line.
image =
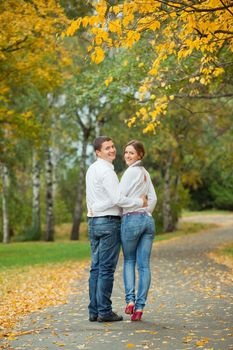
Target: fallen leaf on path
pixel 187 339
pixel 35 288
pixel 202 342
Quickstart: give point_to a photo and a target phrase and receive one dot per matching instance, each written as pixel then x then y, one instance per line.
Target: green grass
pixel 41 253
pixel 35 253
pixel 227 250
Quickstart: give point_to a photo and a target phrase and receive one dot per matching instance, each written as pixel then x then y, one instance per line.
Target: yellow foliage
pixel 74 27
pixel 131 121
pixel 203 27
pixel 149 128
pixel 131 38
pixel 115 26
pixel 30 43
pixel 101 8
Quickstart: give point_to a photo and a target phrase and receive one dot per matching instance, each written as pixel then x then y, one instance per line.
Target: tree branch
pixel 11 48
pixel 226 7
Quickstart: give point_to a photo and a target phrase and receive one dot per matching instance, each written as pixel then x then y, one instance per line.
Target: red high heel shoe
pixel 129 309
pixel 136 316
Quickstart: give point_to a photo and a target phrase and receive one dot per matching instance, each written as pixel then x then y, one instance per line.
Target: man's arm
pixel 115 196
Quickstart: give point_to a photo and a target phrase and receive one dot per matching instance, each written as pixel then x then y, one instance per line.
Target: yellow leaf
pixel 153 71
pixel 192 80
pixel 202 342
pixel 128 19
pixel 115 26
pixel 98 55
pixel 85 21
pixel 108 81
pixel 130 345
pixel 101 8
pixel 116 9
pixel 203 81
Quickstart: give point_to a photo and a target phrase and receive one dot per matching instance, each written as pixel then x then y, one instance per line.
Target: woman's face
pixel 131 155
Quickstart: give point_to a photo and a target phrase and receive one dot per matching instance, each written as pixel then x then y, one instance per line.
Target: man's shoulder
pixel 99 167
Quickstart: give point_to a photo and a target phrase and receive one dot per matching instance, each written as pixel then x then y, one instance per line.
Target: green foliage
pixel 222 194
pixel 216 178
pixel 215 192
pixel 67 190
pixel 179 200
pixel 29 234
pixel 61 212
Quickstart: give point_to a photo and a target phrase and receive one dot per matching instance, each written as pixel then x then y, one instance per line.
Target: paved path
pixel 189 305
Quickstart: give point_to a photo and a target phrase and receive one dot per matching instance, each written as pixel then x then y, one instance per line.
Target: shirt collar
pixel 137 163
pixel 105 162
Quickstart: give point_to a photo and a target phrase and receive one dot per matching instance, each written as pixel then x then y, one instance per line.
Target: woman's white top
pixel 103 193
pixel 135 182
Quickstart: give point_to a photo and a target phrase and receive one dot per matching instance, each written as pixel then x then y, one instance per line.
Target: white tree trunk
pixel 36 220
pixel 5 214
pixel 49 234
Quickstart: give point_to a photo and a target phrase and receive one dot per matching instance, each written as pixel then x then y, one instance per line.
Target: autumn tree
pixel 177 30
pixel 30 56
pixel 31 59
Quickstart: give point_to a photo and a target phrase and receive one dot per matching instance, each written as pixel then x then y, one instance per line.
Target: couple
pixel 110 226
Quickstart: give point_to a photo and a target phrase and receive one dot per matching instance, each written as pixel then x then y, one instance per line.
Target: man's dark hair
pixel 97 144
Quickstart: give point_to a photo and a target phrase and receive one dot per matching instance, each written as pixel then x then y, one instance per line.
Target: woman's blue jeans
pixel 137 234
pixel 104 234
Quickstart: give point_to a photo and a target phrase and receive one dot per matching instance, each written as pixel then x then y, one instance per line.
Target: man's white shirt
pixel 103 192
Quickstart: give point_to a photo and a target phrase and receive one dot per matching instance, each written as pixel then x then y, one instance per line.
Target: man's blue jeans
pixel 104 234
pixel 137 234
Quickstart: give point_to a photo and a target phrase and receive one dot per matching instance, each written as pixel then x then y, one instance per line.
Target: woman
pixel 137 229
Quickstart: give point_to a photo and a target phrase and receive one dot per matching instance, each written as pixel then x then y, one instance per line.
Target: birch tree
pixel 5 197
pixel 36 217
pixel 49 231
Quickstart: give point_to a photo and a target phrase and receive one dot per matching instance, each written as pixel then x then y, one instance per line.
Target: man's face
pixel 107 152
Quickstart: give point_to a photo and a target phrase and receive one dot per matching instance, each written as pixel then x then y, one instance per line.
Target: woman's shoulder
pixel 133 170
pixel 131 173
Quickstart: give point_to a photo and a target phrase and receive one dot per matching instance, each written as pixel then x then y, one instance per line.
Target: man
pixel 102 186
